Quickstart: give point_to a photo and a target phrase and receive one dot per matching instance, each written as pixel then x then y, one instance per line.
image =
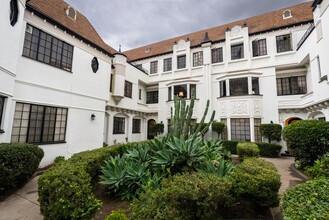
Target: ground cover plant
pixel 18 162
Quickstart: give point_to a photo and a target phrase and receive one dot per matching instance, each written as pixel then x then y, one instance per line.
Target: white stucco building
pixel 63 88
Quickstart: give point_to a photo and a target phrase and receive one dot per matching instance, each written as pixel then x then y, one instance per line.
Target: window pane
pixel 128 89
pixel 181 62
pixel 198 58
pixel 118 125
pixel 291 85
pixel 181 91
pixel 136 125
pixel 192 90
pixel 237 52
pixel 217 55
pixel 154 67
pixel 255 86
pixel 2 104
pixel 240 129
pixel 259 47
pixel 223 135
pixel 222 88
pixel 152 97
pixel 167 64
pixel 239 86
pixel 258 137
pixel 283 43
pixel 169 93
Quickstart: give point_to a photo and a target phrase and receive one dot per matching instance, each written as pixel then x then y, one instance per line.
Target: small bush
pixel 308 140
pixel 308 200
pixel 18 162
pixel 65 189
pixel 247 149
pixel 268 149
pixel 217 127
pixel 231 146
pixel 117 215
pixel 257 181
pixel 320 168
pixel 271 131
pixel 59 159
pixel 186 196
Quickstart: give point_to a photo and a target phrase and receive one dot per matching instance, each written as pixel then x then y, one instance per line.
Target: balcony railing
pixel 305 36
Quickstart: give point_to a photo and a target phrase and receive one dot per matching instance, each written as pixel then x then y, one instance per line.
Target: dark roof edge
pixel 54 22
pixel 223 40
pixel 316 3
pixel 129 62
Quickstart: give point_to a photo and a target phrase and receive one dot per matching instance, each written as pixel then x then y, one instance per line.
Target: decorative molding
pixel 130 111
pixel 239 108
pixel 7 72
pixel 236 31
pixel 257 107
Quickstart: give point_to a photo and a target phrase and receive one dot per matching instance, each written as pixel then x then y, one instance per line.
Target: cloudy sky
pixel 135 23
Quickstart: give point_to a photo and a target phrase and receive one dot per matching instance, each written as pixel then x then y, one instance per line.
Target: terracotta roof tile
pixel 301 13
pixel 56 10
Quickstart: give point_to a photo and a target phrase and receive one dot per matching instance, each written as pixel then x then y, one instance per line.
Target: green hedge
pixel 253 185
pixel 247 149
pixel 266 149
pixel 65 189
pixel 256 181
pixel 320 168
pixel 308 140
pixel 18 162
pixel 308 200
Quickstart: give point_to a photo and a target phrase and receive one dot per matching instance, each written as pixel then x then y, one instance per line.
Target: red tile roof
pixel 56 11
pixel 301 13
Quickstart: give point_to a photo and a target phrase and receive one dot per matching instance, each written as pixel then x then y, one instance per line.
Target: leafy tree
pixel 218 127
pixel 271 131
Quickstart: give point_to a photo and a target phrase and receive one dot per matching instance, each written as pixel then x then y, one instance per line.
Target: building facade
pixel 66 90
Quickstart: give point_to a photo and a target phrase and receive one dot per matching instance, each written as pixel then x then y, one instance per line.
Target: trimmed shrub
pixel 231 146
pixel 308 200
pixel 217 127
pixel 247 149
pixel 186 196
pixel 18 162
pixel 117 215
pixel 268 149
pixel 308 140
pixel 320 168
pixel 65 189
pixel 271 131
pixel 257 181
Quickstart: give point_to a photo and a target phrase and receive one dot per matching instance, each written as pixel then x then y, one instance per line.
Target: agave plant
pixel 216 150
pixel 114 172
pixel 140 153
pixel 220 168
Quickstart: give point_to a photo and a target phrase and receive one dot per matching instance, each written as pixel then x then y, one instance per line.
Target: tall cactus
pixel 181 120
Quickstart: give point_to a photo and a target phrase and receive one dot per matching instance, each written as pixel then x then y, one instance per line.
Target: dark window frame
pixel 222 88
pixel 257 134
pixel 293 85
pixel 167 64
pixel 43 124
pixel 259 48
pixel 152 97
pixel 154 67
pixel 181 88
pixel 192 87
pixel 255 85
pixel 217 55
pixel 198 58
pixel 181 61
pixel 169 93
pixel 240 129
pixel 136 126
pixel 237 51
pixel 2 107
pixel 119 125
pixel 283 43
pixel 239 86
pixel 128 89
pixel 45 48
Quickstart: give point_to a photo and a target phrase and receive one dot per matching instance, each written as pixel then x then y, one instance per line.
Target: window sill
pixel 118 133
pixel 47 143
pixel 136 132
pixel 154 74
pixel 218 64
pixel 301 94
pixel 196 67
pixel 184 98
pixel 128 97
pixel 285 53
pixel 260 57
pixel 238 60
pixel 166 72
pixel 181 70
pixel 2 131
pixel 233 96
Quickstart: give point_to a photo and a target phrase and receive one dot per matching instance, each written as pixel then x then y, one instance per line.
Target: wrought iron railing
pixel 305 36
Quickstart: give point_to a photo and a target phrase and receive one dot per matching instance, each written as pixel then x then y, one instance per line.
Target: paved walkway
pixel 24 205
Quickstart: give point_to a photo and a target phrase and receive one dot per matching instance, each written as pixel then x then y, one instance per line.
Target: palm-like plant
pixel 220 168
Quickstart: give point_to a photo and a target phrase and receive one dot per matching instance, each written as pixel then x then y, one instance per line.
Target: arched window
pixel 71 12
pixel 287 14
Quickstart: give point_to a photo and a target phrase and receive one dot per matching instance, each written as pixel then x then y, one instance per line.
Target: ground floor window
pixel 258 136
pixel 39 124
pixel 2 104
pixel 240 129
pixel 136 125
pixel 118 125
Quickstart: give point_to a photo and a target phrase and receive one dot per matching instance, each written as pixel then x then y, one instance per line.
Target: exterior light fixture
pixel 92 117
pixel 181 94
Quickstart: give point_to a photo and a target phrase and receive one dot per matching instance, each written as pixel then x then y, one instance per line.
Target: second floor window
pixel 181 62
pixel 152 97
pixel 128 89
pixel 118 125
pixel 255 85
pixel 154 67
pixel 45 48
pixel 283 43
pixel 291 85
pixel 181 91
pixel 259 48
pixel 167 64
pixel 237 52
pixel 222 88
pixel 198 58
pixel 239 86
pixel 217 55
